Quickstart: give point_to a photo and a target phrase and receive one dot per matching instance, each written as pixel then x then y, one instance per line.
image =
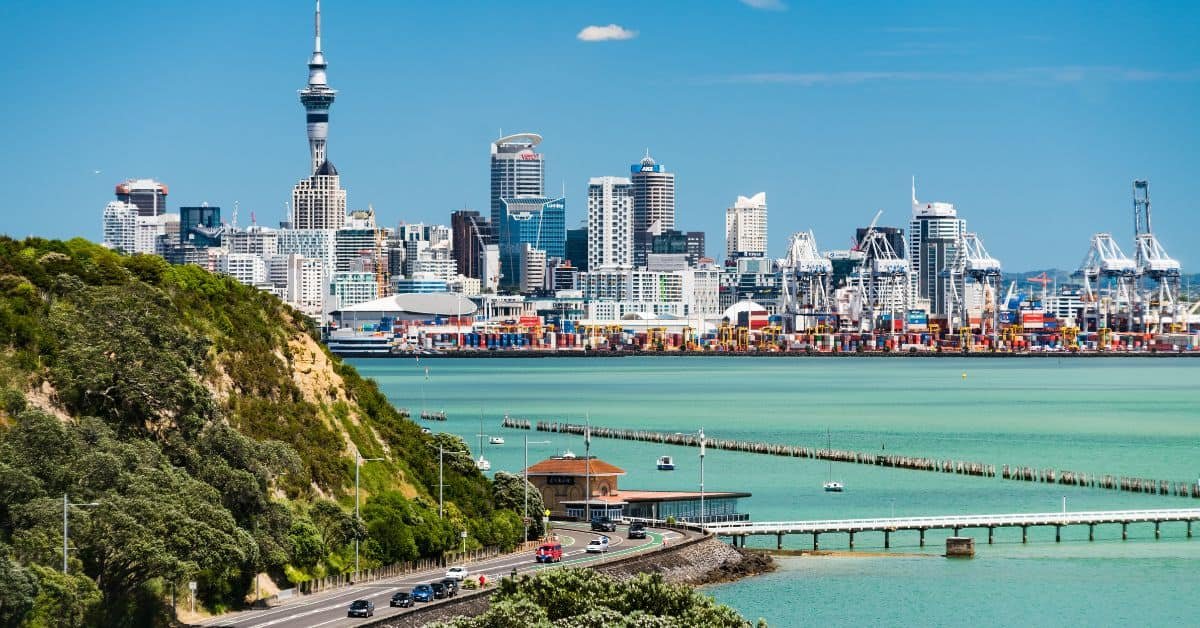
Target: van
pixel 548 553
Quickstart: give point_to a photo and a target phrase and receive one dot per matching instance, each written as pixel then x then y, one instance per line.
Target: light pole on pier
pixel 358 460
pixel 702 517
pixel 525 485
pixel 66 526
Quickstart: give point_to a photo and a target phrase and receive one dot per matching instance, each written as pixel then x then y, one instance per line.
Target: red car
pixel 548 553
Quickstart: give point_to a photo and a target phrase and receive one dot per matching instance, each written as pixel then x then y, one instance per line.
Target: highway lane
pixel 328 610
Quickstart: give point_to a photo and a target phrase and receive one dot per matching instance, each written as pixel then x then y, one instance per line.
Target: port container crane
pixel 806 276
pixel 882 279
pixel 1160 274
pixel 973 264
pixel 1107 267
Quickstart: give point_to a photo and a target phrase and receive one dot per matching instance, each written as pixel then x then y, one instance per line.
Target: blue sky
pixel 1032 117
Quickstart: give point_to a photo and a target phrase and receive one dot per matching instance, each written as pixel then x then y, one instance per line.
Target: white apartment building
pixel 746 226
pixel 247 268
pixel 306 284
pixel 254 240
pixel 352 288
pixel 120 226
pixel 533 269
pixel 309 243
pixel 319 201
pixel 610 222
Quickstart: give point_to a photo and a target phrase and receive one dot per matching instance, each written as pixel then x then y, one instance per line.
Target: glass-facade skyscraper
pixel 537 221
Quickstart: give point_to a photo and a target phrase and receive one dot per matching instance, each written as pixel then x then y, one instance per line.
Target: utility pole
pixel 702 518
pixel 358 460
pixel 441 477
pixel 66 525
pixel 587 468
pixel 525 487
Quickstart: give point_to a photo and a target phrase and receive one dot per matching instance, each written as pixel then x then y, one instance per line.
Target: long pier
pixel 915 463
pixel 740 530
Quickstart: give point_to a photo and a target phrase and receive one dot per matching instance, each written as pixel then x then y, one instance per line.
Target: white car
pixel 596 546
pixel 458 573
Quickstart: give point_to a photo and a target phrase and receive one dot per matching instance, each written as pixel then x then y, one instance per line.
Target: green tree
pixel 511 491
pixel 63 600
pixel 18 587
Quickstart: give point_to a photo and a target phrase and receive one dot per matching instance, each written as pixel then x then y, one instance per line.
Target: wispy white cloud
pixel 612 32
pixel 1050 75
pixel 766 5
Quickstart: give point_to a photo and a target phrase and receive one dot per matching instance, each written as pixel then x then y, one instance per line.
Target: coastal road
pixel 328 610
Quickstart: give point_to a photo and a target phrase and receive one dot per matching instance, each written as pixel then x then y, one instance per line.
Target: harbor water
pixel 1134 417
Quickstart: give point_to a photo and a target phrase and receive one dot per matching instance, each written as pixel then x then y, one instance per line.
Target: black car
pixel 439 590
pixel 451 586
pixel 403 599
pixel 361 608
pixel 637 531
pixel 604 524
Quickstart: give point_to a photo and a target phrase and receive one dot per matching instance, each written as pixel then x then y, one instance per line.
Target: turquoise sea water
pixel 1118 416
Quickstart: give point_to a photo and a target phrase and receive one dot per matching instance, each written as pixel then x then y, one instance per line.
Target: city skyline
pixel 831 195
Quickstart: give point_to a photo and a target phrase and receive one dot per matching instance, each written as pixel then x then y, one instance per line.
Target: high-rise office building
pixel 695 247
pixel 674 241
pixel 577 247
pixel 517 170
pixel 653 204
pixel 610 222
pixel 933 238
pixel 893 235
pixel 471 233
pixel 537 221
pixel 746 226
pixel 200 226
pixel 148 195
pixel 361 237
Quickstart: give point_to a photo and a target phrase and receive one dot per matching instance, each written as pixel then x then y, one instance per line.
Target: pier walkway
pixel 779 529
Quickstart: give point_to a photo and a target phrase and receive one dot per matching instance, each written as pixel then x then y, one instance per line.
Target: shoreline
pixel 471 355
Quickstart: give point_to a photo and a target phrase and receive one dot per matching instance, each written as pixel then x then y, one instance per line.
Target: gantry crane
pixel 1161 297
pixel 882 278
pixel 972 262
pixel 1107 268
pixel 806 276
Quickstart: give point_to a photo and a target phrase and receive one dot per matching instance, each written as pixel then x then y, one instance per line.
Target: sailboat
pixel 482 464
pixel 831 485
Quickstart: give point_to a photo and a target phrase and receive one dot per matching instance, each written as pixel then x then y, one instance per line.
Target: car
pixel 604 524
pixel 595 546
pixel 422 593
pixel 637 531
pixel 402 599
pixel 451 586
pixel 439 590
pixel 361 608
pixel 548 553
pixel 457 572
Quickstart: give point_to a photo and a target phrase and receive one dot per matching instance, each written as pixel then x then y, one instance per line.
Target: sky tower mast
pixel 316 97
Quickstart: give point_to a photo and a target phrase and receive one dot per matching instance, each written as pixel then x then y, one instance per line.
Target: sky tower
pixel 316 98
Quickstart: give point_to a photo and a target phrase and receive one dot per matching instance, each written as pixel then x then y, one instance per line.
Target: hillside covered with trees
pixel 213 432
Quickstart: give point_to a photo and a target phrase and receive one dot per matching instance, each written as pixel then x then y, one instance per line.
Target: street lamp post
pixel 358 460
pixel 441 471
pixel 525 486
pixel 66 526
pixel 702 519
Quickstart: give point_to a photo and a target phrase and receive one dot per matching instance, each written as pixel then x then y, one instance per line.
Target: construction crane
pixel 882 278
pixel 972 262
pixel 1107 268
pixel 1160 273
pixel 806 276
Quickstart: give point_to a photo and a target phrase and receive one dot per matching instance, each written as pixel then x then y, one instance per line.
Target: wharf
pixel 740 530
pixel 915 463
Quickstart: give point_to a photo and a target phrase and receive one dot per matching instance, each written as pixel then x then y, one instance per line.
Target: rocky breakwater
pixel 704 561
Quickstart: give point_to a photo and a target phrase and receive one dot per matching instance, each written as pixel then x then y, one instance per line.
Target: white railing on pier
pixel 955 521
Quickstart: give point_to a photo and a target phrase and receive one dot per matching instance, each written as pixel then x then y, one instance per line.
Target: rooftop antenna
pixel 253 221
pixel 317 27
pixel 914 190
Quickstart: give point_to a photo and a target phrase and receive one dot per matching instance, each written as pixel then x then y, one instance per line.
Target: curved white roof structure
pixel 532 139
pixel 434 304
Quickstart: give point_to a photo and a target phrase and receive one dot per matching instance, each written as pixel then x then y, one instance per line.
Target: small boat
pixel 666 463
pixel 568 455
pixel 831 485
pixel 496 440
pixel 482 464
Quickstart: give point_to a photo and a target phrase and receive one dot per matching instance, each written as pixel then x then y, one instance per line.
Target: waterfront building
pixel 566 277
pixel 846 264
pixel 466 286
pixel 435 261
pixel 746 226
pixel 933 238
pixel 577 247
pixel 653 204
pixel 148 195
pixel 420 283
pixel 120 226
pixel 200 226
pixel 489 269
pixel 351 288
pixel 537 221
pixel 471 233
pixel 580 486
pixel 610 225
